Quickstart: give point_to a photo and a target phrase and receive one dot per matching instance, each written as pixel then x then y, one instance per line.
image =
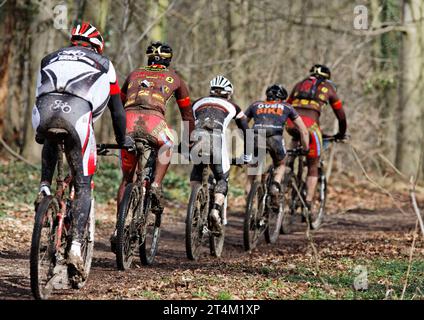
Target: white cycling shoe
pixel 76 264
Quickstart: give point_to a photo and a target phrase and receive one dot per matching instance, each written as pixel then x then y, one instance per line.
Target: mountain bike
pixel 137 225
pixel 198 220
pixel 295 190
pixel 262 217
pixel 52 235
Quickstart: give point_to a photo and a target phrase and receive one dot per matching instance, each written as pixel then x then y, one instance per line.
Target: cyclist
pixel 271 116
pixel 213 115
pixel 75 84
pixel 308 97
pixel 145 94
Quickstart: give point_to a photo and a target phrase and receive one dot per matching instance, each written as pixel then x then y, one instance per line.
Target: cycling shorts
pixel 138 123
pixel 274 146
pixel 65 111
pixel 315 136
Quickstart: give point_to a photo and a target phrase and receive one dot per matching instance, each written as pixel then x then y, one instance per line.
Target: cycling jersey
pixel 313 93
pixel 270 116
pixel 214 114
pixel 149 88
pixel 81 72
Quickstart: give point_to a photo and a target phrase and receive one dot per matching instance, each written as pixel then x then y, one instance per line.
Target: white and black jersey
pixel 81 72
pixel 215 113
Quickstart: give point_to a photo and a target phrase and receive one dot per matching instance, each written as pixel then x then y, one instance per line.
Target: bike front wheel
pixel 274 219
pixel 87 245
pixel 43 248
pixel 216 243
pixel 289 204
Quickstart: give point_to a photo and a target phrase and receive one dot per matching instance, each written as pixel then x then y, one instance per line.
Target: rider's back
pixel 151 87
pixel 215 112
pixel 80 72
pixel 310 95
pixel 270 115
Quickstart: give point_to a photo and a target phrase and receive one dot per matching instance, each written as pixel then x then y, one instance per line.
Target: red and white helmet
pixel 85 34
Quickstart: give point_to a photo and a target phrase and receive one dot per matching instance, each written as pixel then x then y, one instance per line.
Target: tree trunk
pixel 411 91
pixel 9 29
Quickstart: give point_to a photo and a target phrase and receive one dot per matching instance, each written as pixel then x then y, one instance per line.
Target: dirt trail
pixel 354 235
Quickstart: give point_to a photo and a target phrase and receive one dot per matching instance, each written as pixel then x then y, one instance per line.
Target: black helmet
pixel 276 92
pixel 321 71
pixel 159 53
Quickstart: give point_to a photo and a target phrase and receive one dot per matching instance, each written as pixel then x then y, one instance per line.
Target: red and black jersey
pixel 313 93
pixel 151 87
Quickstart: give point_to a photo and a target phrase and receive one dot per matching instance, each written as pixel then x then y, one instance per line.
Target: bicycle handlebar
pixel 299 151
pixel 103 148
pixel 333 138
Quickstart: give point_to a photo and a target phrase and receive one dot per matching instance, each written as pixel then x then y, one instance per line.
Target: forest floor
pixel 364 233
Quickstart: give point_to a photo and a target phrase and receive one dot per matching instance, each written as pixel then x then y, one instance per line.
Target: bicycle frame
pixel 62 185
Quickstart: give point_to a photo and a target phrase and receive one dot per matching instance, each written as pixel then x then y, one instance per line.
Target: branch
pixel 17 156
pixel 373 182
pixel 149 27
pixel 415 205
pixel 411 253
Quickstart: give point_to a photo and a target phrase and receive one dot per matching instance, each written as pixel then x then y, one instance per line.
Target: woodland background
pixel 378 71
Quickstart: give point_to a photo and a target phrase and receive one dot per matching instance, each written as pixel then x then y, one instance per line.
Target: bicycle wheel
pixel 87 245
pixel 43 248
pixel 289 204
pixel 195 222
pixel 126 229
pixel 149 235
pixel 216 243
pixel 318 205
pixel 274 220
pixel 254 212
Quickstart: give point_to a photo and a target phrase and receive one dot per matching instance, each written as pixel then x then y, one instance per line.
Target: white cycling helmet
pixel 221 86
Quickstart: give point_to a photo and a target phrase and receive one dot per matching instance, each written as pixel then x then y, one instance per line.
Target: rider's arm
pixel 115 106
pixel 241 121
pixel 183 101
pixel 337 106
pixel 249 113
pixel 124 90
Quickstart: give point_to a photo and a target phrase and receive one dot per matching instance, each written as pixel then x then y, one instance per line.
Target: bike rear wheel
pixel 254 212
pixel 43 248
pixel 195 222
pixel 318 206
pixel 126 229
pixel 150 234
